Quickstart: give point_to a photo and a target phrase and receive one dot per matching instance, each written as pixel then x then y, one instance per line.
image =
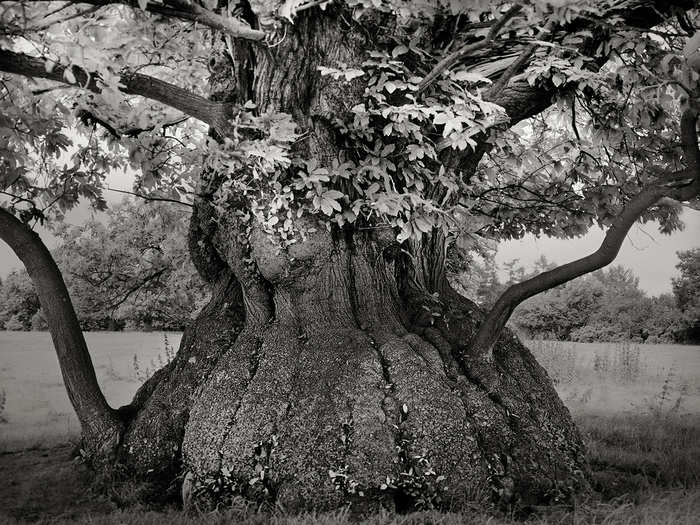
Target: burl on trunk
pixel 338 369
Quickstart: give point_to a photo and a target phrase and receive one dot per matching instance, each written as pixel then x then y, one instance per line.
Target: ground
pixel 638 407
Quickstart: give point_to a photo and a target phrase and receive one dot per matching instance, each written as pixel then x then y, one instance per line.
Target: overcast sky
pixel 650 255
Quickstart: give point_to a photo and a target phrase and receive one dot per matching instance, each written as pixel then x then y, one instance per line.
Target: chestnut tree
pixel 333 152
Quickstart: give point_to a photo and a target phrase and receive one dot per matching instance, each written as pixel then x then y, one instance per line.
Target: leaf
pixel 405 233
pixel 399 50
pixel 352 73
pixel 69 76
pixel 333 194
pixel 423 224
pixel 289 8
pixel 349 74
pixel 467 76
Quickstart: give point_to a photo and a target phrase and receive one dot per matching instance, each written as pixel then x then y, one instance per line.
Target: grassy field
pixel 37 409
pixel 638 407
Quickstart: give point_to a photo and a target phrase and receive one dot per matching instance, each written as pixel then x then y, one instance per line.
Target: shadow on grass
pixel 646 470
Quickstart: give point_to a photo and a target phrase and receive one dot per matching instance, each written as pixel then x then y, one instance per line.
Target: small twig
pixel 149 198
pixel 58 9
pixel 46 25
pixel 573 118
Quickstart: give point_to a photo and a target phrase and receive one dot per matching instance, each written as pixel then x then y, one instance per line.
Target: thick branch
pixel 522 101
pixel 684 186
pixel 216 114
pixel 189 10
pixel 101 426
pixel 465 50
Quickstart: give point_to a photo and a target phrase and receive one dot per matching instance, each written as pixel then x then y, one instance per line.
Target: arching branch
pixel 683 186
pixel 152 198
pixel 215 114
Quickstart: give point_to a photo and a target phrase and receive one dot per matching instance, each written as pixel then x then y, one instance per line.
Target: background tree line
pixel 132 271
pixel 606 305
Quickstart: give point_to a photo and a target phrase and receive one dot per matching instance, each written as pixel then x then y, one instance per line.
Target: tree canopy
pixel 430 91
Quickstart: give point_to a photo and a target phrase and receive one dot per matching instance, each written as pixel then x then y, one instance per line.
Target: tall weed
pixel 627 363
pixel 162 360
pixel 669 400
pixel 3 400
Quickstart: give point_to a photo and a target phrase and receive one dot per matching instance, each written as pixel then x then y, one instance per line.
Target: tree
pixel 349 144
pixel 686 289
pixel 18 302
pixel 606 305
pixel 131 268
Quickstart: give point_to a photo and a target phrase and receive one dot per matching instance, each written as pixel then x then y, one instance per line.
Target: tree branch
pixel 154 199
pixel 187 10
pixel 215 114
pixel 522 101
pixel 90 119
pixel 134 289
pixel 451 59
pixel 683 185
pixel 100 424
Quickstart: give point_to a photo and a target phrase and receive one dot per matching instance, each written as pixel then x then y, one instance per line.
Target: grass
pixel 37 409
pixel 620 378
pixel 3 399
pixel 670 507
pixel 637 406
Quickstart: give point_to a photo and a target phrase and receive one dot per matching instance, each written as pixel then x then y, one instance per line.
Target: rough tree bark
pixel 323 372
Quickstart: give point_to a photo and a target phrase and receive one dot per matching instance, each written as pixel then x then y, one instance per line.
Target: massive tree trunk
pixel 339 369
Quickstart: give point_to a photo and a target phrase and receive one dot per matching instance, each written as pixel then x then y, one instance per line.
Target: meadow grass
pixel 637 407
pixel 658 508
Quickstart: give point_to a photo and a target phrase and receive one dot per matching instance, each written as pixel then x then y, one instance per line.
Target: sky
pixel 648 253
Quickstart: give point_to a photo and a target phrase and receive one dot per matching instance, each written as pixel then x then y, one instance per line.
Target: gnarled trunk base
pixel 351 393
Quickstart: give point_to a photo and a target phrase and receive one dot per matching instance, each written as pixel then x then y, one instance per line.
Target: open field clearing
pixel 37 408
pixel 618 378
pixel 638 407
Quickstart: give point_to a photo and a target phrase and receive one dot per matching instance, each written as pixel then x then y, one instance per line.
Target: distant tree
pixel 18 301
pixel 663 323
pixel 39 321
pixel 474 273
pixel 606 305
pixel 129 269
pixel 686 289
pixel 132 268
